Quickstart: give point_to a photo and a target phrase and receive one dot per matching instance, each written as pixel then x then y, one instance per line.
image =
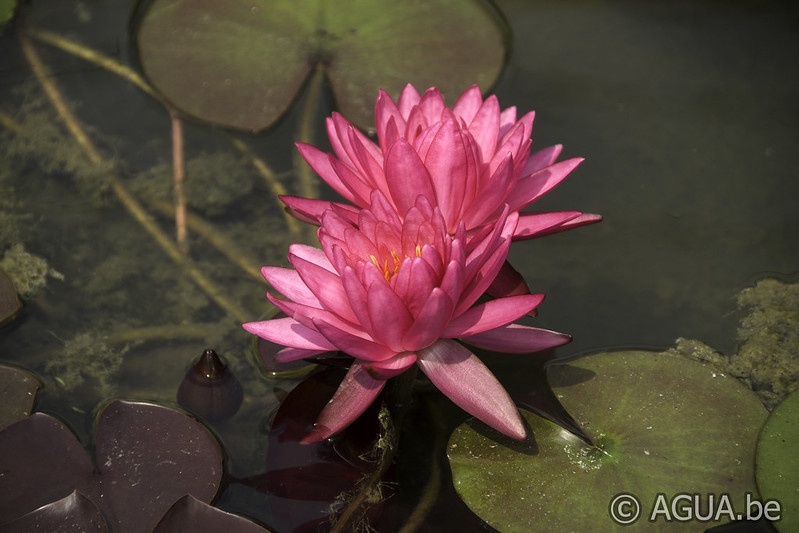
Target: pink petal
pixel 541 159
pixel 431 321
pixel 492 314
pixel 288 283
pixel 288 355
pixel 534 186
pixel 353 344
pixel 407 177
pixel 326 286
pixel 492 195
pixel 386 113
pixel 306 209
pixel 446 161
pixel 320 162
pixel 485 127
pixel 356 392
pixel 289 332
pixel 583 220
pixel 462 377
pixel 534 224
pixel 391 367
pixel 515 338
pixel 388 315
pixel 408 99
pixel 468 104
pixel 310 254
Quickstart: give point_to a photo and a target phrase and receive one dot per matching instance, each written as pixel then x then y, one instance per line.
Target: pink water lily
pixel 396 291
pixel 469 161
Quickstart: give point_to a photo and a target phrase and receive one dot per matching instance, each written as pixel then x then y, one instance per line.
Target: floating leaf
pixel 148 456
pixel 17 392
pixel 7 10
pixel 778 461
pixel 661 424
pixel 75 512
pixel 241 64
pixel 191 514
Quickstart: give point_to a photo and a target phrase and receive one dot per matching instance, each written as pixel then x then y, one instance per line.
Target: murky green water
pixel 686 113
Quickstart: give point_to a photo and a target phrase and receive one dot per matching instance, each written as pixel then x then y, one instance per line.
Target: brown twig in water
pixel 178 180
pixel 135 209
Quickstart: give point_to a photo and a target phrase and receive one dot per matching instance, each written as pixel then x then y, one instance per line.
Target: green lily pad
pixel 778 461
pixel 17 393
pixel 661 424
pixel 241 64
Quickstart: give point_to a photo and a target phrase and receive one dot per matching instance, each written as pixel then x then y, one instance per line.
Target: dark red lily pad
pixel 305 482
pixel 75 512
pixel 191 514
pixel 17 393
pixel 147 457
pixel 241 64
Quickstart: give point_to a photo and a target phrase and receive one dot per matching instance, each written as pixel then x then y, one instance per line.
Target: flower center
pixel 390 264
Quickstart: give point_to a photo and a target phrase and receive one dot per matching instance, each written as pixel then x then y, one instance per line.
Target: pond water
pixel 686 113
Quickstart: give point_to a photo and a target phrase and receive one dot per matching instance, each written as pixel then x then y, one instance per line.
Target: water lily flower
pixel 469 161
pixel 395 291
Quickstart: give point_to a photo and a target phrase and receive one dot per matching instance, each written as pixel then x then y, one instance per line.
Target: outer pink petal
pixel 492 314
pixel 289 332
pixel 354 345
pixel 541 159
pixel 534 186
pixel 320 162
pixel 583 220
pixel 310 254
pixel 288 283
pixel 356 392
pixel 326 286
pixel 515 338
pixel 534 224
pixel 460 375
pixel 287 355
pixel 306 209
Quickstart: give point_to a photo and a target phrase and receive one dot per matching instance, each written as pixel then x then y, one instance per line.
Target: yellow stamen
pixel 388 271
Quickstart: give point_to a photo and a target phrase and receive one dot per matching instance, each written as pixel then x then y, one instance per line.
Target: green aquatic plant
pixel 28 271
pixel 768 356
